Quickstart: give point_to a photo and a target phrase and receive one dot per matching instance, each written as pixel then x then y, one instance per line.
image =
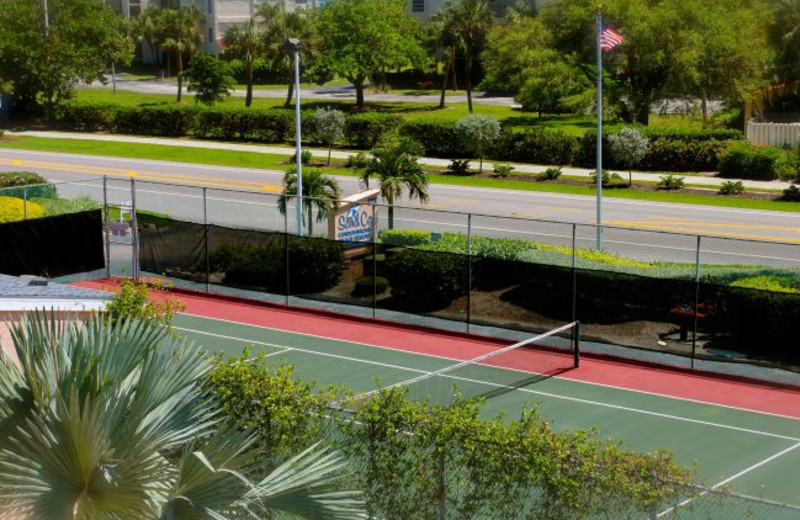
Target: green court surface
pixel 740 451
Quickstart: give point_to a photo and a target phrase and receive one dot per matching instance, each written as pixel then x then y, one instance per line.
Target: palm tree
pixel 245 43
pixel 278 27
pixel 319 191
pixel 109 419
pixel 149 30
pixel 397 169
pixel 472 20
pixel 182 35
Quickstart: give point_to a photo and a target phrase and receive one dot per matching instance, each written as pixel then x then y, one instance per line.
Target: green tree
pixel 182 35
pixel 472 20
pixel 245 43
pixel 111 420
pixel 210 78
pixel 555 86
pixel 397 171
pixel 479 132
pixel 628 147
pixel 784 37
pixel 359 38
pixel 320 192
pixel 150 30
pixel 444 43
pixel 329 126
pixel 41 62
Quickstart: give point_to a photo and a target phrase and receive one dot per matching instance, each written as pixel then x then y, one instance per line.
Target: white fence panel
pixel 774 134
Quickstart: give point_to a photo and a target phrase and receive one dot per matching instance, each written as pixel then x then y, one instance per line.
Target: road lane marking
pixel 683 222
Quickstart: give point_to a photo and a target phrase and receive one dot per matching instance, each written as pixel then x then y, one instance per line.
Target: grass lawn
pixel 409 110
pixel 277 162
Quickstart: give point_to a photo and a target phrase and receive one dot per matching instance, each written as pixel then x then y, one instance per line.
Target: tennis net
pixel 499 371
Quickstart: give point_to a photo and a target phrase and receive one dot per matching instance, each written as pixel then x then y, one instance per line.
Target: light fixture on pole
pixel 292 46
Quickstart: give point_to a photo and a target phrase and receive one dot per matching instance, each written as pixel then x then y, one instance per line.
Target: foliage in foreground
pixel 145 301
pixel 411 458
pixel 109 420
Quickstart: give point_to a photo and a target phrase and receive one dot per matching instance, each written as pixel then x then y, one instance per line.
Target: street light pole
pixel 293 45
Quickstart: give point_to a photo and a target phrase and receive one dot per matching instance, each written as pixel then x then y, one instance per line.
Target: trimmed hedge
pixel 167 120
pixel 365 131
pixel 537 146
pixel 743 160
pixel 271 125
pixel 439 138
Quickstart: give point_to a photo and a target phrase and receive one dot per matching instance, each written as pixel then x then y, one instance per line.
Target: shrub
pixel 536 146
pixel 358 161
pixel 459 166
pixel 683 156
pixel 12 209
pixel 766 283
pixel 479 133
pixel 364 285
pixel 133 301
pixel 367 130
pixel 787 167
pixel 503 170
pixel 315 264
pixel 305 157
pixel 424 281
pixel 791 194
pixel 36 186
pixel 552 173
pixel 608 178
pixel 749 162
pixel 329 127
pixel 439 138
pixel 628 147
pixel 670 182
pixel 731 188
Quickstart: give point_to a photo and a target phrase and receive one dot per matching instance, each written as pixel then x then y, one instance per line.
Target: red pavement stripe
pixel 619 374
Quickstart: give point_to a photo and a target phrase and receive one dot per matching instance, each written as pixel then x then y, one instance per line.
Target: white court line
pixel 730 479
pixel 589 383
pixel 498 385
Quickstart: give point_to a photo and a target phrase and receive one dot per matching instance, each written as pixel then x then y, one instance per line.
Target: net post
pixel 469 272
pixel 576 344
pixel 696 298
pixel 574 273
pixel 25 202
pixel 205 239
pixel 106 225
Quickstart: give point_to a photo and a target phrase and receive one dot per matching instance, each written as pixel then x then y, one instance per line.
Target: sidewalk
pixel 708 180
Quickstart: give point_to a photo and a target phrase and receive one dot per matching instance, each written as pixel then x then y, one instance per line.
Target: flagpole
pixel 599 131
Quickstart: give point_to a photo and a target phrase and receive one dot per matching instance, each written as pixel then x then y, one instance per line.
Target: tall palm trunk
pixel 468 73
pixel 444 83
pixel 310 225
pixel 453 67
pixel 289 93
pixel 391 215
pixel 248 100
pixel 180 76
pixel 704 107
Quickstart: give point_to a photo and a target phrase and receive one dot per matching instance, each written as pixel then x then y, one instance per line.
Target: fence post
pixel 696 298
pixel 442 494
pixel 374 258
pixel 286 243
pixel 576 345
pixel 135 230
pixel 469 272
pixel 25 202
pixel 106 226
pixel 574 273
pixel 205 239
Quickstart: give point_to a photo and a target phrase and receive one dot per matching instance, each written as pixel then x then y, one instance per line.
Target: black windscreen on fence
pixel 666 311
pixel 53 246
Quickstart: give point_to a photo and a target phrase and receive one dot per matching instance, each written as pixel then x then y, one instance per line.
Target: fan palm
pixel 280 26
pixel 320 192
pixel 109 420
pixel 245 43
pixel 182 35
pixel 149 30
pixel 397 170
pixel 471 22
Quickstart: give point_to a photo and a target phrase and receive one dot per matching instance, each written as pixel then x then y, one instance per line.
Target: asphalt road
pixel 247 198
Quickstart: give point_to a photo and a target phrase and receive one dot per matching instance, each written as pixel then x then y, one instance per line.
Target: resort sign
pixel 353 221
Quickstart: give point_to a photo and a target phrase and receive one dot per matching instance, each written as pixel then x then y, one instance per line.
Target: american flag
pixel 610 38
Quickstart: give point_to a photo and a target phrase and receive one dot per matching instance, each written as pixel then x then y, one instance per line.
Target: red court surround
pixel 617 373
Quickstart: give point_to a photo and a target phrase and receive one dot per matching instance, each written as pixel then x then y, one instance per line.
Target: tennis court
pixel 745 451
